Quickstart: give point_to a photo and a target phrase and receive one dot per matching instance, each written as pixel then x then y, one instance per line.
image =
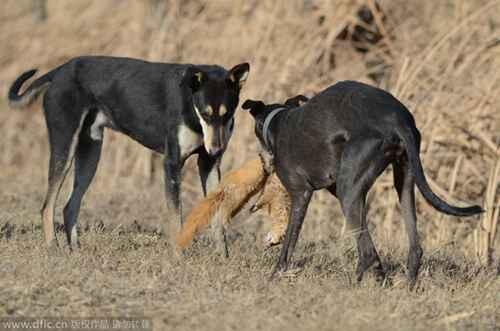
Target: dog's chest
pixel 189 140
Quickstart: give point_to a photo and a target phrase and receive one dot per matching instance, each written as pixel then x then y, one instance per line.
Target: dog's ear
pixel 239 74
pixel 296 101
pixel 253 105
pixel 193 78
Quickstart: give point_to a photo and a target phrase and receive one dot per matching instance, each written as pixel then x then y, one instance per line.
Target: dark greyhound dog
pixel 174 109
pixel 342 139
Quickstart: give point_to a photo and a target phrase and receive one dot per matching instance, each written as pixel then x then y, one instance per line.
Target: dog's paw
pixel 290 273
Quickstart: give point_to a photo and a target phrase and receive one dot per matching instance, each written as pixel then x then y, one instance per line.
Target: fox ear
pixel 296 101
pixel 193 78
pixel 239 74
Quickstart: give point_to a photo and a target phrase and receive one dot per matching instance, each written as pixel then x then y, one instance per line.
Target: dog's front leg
pixel 300 201
pixel 210 176
pixel 220 233
pixel 209 170
pixel 172 166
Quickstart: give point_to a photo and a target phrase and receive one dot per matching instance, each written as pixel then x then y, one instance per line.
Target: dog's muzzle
pixel 216 140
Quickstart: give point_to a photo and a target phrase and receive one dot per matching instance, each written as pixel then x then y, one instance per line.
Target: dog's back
pixel 355 107
pixel 343 112
pixel 95 72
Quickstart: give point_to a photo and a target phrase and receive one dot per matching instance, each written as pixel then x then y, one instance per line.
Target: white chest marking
pixel 208 131
pixel 98 126
pixel 189 140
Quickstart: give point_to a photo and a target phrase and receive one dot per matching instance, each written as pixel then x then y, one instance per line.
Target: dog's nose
pixel 216 151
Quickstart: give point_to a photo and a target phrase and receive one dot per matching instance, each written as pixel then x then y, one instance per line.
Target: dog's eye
pixel 209 111
pixel 222 110
pixel 207 117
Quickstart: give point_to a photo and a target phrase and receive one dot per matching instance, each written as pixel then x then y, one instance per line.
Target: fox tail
pixel 199 218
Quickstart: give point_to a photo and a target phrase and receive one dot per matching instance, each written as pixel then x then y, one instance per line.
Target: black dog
pixel 175 109
pixel 342 140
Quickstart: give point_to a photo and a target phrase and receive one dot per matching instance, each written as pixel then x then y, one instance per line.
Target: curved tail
pixel 199 218
pixel 36 88
pixel 407 135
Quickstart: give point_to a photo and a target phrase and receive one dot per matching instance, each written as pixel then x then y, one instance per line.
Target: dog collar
pixel 267 123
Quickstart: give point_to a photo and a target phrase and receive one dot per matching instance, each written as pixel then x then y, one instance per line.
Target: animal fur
pixel 275 200
pixel 235 190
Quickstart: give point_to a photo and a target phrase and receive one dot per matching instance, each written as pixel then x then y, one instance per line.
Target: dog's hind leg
pixel 64 129
pixel 362 162
pixel 87 155
pixel 404 183
pixel 210 176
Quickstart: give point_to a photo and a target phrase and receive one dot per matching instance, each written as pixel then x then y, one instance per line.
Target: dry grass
pixel 441 58
pixel 130 272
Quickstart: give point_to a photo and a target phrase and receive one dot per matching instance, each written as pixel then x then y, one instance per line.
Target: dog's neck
pixel 266 134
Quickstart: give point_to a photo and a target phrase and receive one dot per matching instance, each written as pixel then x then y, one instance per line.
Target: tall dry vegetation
pixel 441 58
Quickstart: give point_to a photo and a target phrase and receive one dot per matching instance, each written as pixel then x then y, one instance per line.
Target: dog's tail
pixel 36 88
pixel 199 218
pixel 408 136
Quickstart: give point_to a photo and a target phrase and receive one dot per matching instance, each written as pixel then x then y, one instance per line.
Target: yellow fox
pixel 233 192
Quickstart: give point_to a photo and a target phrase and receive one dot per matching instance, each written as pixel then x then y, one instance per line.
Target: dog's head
pixel 260 111
pixel 215 100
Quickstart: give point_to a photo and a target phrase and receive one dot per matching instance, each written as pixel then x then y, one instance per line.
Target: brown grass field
pixel 441 58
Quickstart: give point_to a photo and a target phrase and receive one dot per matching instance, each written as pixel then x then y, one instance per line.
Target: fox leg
pixel 279 222
pixel 264 196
